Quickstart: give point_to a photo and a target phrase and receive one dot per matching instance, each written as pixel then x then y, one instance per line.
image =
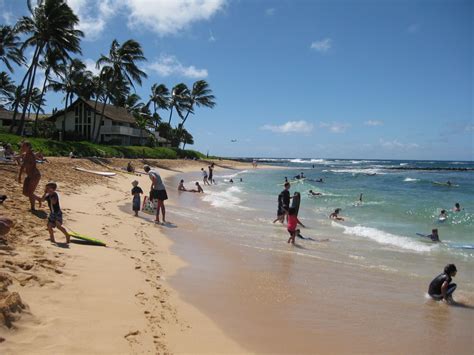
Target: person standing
pixel 204 177
pixel 33 175
pixel 158 192
pixel 283 203
pixel 210 177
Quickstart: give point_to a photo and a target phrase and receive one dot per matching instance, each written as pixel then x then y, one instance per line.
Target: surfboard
pixel 447 244
pixel 102 173
pixel 87 239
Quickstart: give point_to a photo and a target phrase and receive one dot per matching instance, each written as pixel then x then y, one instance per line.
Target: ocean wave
pixel 357 171
pixel 231 176
pixel 411 179
pixel 403 164
pixel 308 161
pixel 225 199
pixel 385 238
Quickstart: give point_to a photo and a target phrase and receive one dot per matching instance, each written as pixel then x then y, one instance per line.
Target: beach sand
pixel 89 299
pixel 181 289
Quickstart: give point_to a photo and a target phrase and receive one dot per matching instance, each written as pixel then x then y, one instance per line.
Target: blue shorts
pixel 55 218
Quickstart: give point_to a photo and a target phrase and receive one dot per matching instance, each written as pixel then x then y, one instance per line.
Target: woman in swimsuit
pixel 33 175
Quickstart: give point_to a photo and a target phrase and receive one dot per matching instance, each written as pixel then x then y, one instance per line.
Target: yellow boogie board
pixel 87 239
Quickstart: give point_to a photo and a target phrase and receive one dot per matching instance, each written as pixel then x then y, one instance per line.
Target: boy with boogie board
pixel 55 218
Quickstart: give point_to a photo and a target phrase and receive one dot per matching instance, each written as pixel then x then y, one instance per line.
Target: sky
pixel 387 79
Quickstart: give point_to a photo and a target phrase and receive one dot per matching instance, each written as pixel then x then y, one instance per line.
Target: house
pixel 118 126
pixel 6 119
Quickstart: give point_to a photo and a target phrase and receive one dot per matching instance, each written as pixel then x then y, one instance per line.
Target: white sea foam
pixel 410 179
pixel 308 161
pixel 357 171
pixel 403 164
pixel 385 238
pixel 225 199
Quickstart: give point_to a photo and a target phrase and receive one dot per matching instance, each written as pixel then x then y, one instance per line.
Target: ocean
pixel 400 199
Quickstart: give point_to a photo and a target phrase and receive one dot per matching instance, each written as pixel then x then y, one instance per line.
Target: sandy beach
pixel 182 288
pixel 87 299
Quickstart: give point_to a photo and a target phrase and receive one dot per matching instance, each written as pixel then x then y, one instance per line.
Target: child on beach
pixel 335 215
pixel 136 202
pixel 443 216
pixel 292 223
pixel 181 186
pixel 204 177
pixel 55 218
pixel 434 235
pixel 441 287
pixel 198 189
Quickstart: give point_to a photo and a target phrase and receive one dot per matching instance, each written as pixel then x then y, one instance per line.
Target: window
pixel 82 120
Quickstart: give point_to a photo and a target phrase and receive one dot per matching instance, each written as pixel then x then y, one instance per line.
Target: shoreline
pixel 114 299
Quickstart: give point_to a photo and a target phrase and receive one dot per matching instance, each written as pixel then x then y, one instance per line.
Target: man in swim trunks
pixel 210 177
pixel 158 192
pixel 283 203
pixel 441 287
pixel 33 175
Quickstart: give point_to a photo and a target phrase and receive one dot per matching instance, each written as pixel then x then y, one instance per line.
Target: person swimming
pixel 335 215
pixel 312 193
pixel 443 215
pixel 441 287
pixel 457 207
pixel 434 235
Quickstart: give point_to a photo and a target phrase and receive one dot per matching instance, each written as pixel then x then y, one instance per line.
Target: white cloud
pixel 90 65
pixel 395 144
pixel 322 46
pixel 335 127
pixel 270 11
pixel 413 28
pixel 167 17
pixel 290 127
pixel 168 65
pixel 373 123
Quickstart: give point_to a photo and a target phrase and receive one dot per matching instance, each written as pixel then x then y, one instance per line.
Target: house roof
pixel 114 113
pixel 8 115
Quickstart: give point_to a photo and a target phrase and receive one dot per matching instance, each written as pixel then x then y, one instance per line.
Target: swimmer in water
pixel 360 198
pixel 181 186
pixel 320 180
pixel 441 287
pixel 457 207
pixel 434 235
pixel 443 215
pixel 199 189
pixel 312 193
pixel 448 183
pixel 286 179
pixel 335 215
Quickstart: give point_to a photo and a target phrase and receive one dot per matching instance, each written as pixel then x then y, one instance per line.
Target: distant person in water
pixel 448 183
pixel 204 177
pixel 457 207
pixel 33 175
pixel 231 181
pixel 360 198
pixel 292 223
pixel 181 186
pixel 241 180
pixel 312 193
pixel 335 215
pixel 210 177
pixel 443 215
pixel 434 235
pixel 441 287
pixel 55 218
pixel 136 200
pixel 320 180
pixel 198 188
pixel 286 179
pixel 283 203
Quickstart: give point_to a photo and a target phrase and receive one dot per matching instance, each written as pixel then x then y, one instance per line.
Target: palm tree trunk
pixel 63 128
pixel 181 126
pixel 96 140
pixel 29 90
pixel 20 88
pixel 171 114
pixel 46 74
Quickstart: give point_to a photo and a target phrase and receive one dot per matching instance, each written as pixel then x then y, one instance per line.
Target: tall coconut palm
pixel 201 96
pixel 10 47
pixel 72 77
pixel 7 90
pixel 51 24
pixel 186 138
pixel 160 97
pixel 179 100
pixel 118 66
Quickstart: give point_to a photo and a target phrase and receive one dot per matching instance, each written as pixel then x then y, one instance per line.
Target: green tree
pixel 7 90
pixel 120 66
pixel 51 26
pixel 160 97
pixel 186 138
pixel 179 100
pixel 10 47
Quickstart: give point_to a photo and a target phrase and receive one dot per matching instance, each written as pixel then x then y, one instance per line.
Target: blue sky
pixel 341 79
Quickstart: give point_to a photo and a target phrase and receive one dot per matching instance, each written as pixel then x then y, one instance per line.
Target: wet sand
pixel 281 302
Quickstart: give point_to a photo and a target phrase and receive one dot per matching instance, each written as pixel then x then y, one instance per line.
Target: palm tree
pixel 7 90
pixel 50 63
pixel 118 67
pixel 51 26
pixel 179 100
pixel 10 47
pixel 73 76
pixel 160 97
pixel 186 138
pixel 201 96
